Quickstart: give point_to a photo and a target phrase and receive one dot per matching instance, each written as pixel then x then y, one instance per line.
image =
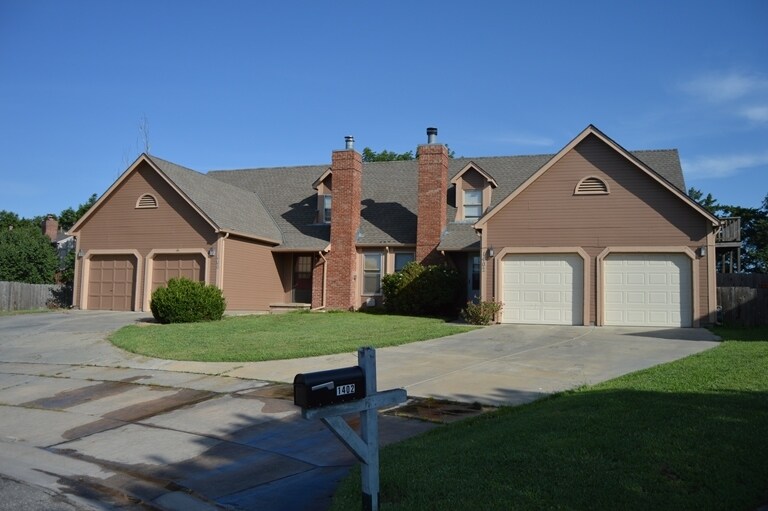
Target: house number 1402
pixel 343 390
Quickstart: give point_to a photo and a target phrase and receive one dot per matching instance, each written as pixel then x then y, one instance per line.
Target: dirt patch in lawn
pixel 437 410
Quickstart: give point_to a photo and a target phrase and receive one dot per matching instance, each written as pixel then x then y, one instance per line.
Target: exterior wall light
pixel 490 252
pixel 212 252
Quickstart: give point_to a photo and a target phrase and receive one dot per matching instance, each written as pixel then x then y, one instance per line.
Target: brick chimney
pixel 51 227
pixel 433 190
pixel 347 170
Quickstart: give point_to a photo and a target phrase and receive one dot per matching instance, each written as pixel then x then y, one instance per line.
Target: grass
pixel 27 311
pixel 685 435
pixel 278 336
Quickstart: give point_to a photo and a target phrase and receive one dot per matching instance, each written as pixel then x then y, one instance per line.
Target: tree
pixel 709 203
pixel 754 235
pixel 69 216
pixel 369 155
pixel 26 255
pixel 9 219
pixel 754 229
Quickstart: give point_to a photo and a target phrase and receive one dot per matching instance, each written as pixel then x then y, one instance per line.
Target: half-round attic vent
pixel 146 201
pixel 591 186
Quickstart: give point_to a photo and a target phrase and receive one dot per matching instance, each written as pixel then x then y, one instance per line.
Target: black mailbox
pixel 323 388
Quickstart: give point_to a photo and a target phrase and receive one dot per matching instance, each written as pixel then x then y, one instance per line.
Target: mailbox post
pixel 328 395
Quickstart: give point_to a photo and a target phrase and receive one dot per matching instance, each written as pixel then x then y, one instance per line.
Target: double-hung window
pixel 327 209
pixel 473 204
pixel 372 273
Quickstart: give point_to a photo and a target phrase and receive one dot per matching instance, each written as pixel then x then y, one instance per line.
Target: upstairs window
pixel 146 201
pixel 473 204
pixel 327 209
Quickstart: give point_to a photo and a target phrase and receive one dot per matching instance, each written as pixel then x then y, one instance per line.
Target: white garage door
pixel 648 290
pixel 543 289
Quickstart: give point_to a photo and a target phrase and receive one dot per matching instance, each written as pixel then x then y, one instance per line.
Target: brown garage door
pixel 112 282
pixel 169 266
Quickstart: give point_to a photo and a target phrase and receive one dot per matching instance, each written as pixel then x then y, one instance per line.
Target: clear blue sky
pixel 236 84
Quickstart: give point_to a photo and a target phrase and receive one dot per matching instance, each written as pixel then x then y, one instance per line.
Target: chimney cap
pixel 431 135
pixel 349 142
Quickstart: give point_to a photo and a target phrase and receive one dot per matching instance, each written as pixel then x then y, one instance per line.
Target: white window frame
pixel 475 205
pixel 327 209
pixel 370 273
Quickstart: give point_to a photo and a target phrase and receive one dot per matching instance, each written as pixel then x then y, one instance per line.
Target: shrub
pixel 422 290
pixel 481 313
pixel 186 301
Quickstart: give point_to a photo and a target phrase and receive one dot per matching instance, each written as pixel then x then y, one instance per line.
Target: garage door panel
pixel 647 290
pixel 111 282
pixel 542 288
pixel 169 266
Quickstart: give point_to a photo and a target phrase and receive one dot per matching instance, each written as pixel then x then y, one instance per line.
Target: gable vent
pixel 146 201
pixel 591 186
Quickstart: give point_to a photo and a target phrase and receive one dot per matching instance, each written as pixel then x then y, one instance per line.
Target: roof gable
pixel 223 207
pixel 477 168
pixel 632 158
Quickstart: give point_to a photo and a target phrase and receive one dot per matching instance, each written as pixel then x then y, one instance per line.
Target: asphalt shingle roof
pixel 389 206
pixel 229 207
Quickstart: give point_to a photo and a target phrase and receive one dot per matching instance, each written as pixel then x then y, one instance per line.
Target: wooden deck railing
pixel 731 230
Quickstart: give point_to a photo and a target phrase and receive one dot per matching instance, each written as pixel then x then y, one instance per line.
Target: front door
pixel 473 278
pixel 302 279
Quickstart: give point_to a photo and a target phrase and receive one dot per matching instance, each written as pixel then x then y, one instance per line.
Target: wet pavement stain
pixel 278 391
pixel 276 398
pixel 138 412
pixel 75 397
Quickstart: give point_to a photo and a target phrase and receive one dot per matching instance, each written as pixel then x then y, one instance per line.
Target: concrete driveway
pixel 83 421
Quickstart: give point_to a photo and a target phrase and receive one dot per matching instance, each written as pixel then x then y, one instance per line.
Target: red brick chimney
pixel 51 227
pixel 347 170
pixel 433 190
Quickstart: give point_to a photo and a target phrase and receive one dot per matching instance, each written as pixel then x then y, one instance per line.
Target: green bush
pixel 422 290
pixel 186 301
pixel 481 313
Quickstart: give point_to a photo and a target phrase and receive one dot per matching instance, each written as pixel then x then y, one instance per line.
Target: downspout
pixel 325 280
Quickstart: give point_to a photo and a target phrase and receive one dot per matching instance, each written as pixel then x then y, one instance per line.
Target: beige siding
pixel 251 277
pixel 638 212
pixel 119 226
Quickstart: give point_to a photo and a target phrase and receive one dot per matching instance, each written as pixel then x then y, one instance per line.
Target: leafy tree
pixel 9 219
pixel 70 216
pixel 369 155
pixel 26 255
pixel 709 203
pixel 754 229
pixel 754 236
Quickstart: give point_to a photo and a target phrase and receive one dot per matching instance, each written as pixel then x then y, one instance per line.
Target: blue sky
pixel 236 84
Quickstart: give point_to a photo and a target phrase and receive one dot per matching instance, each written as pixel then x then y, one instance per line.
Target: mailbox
pixel 323 388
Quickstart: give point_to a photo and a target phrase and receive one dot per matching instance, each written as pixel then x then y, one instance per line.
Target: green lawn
pixel 692 434
pixel 278 336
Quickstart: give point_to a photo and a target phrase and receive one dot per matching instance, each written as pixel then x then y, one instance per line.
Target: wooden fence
pixel 743 299
pixel 21 296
